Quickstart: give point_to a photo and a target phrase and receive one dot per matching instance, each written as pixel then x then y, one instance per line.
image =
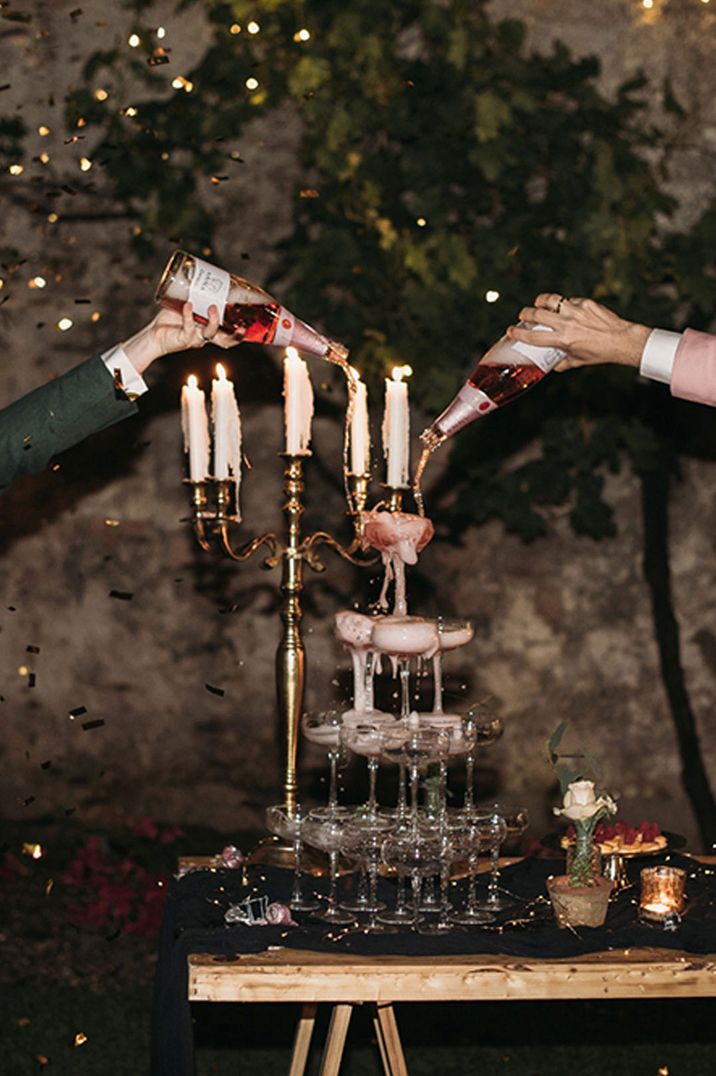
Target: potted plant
pixel 581 896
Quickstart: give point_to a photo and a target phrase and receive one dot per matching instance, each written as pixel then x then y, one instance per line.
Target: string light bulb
pixel 302 35
pixel 252 84
pixel 234 28
pixel 16 169
pixel 101 94
pixel 43 131
pixel 161 32
pixel 253 27
pixel 134 40
pixel 64 324
pixel 491 296
pixel 85 164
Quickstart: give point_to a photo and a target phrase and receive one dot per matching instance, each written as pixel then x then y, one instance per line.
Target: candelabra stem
pixel 291 654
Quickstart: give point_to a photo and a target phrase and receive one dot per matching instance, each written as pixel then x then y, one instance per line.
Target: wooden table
pixel 311 978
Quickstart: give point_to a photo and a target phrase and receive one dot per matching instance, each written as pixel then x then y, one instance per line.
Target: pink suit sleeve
pixel 694 373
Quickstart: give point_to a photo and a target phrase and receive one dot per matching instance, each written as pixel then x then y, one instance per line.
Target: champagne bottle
pixel 504 372
pixel 245 310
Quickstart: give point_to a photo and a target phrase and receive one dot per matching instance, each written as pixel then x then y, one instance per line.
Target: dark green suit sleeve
pixel 56 416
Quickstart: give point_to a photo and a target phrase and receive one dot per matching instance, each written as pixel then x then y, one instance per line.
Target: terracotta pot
pixel 579 905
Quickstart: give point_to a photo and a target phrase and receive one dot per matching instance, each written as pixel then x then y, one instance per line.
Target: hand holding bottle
pixel 588 332
pixel 174 330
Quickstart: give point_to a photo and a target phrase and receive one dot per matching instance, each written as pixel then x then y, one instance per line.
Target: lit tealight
pixel 253 27
pixel 421 222
pixel 52 218
pixel 492 296
pixel 80 1039
pixel 252 84
pixel 100 94
pixel 44 158
pixel 129 111
pixel 95 315
pixel 161 32
pixel 43 131
pixel 37 282
pixel 85 164
pixel 64 324
pixel 302 35
pixel 30 848
pixel 22 670
pixel 134 40
pixel 16 169
pixel 234 28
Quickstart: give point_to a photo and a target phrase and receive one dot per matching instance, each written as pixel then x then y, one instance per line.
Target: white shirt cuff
pixel 129 381
pixel 657 358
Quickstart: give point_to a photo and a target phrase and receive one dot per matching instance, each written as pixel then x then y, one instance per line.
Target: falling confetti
pixel 214 690
pixel 97 724
pixel 122 595
pixel 77 712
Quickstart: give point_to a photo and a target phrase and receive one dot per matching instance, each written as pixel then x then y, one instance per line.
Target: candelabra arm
pixel 249 548
pixel 347 553
pixel 200 534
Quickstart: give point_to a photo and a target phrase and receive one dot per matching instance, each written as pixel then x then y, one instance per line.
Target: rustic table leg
pixel 389 1044
pixel 302 1040
pixel 336 1039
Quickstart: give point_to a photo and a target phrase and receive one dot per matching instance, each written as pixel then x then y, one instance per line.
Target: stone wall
pixel 563 627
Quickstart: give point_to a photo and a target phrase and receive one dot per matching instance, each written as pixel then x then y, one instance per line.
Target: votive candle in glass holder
pixel 662 894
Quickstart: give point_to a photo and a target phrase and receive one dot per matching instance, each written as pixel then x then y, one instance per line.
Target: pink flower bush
pixel 119 892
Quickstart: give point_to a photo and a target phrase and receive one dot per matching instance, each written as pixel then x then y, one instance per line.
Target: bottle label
pixel 545 358
pixel 209 287
pixel 285 328
pixel 469 404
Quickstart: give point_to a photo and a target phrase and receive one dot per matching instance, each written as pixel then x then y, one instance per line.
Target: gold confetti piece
pixel 111 522
pixel 80 1039
pixel 309 192
pixel 24 1021
pixel 41 1059
pixel 49 886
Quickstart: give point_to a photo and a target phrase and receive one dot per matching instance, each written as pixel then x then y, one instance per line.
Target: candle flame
pixel 399 372
pixel 192 381
pixel 291 354
pixel 220 372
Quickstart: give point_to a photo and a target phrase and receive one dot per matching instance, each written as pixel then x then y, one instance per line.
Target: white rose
pixel 580 802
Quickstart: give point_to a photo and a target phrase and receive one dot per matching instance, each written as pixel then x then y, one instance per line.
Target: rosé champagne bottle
pixel 504 372
pixel 245 310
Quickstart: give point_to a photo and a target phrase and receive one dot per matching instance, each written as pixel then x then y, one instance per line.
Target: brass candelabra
pixel 214 525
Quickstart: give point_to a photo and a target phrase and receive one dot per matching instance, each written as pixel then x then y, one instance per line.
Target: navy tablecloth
pixel 194 923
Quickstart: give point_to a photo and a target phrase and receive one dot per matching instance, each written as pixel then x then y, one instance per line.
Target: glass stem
pixel 469 801
pixel 402 790
pixel 372 778
pixel 333 785
pixel 445 906
pixel 493 882
pixel 414 785
pixel 400 895
pixel 472 882
pixel 415 884
pixel 296 891
pixel 372 892
pixel 362 887
pixel 333 886
pixel 404 666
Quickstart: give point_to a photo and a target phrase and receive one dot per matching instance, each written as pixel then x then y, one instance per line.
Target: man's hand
pixel 586 330
pixel 170 331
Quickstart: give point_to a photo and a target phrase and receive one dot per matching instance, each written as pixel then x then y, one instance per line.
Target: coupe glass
pixel 505 821
pixel 323 829
pixel 366 740
pixel 480 729
pixel 290 827
pixel 454 844
pixel 451 635
pixel 413 853
pixel 477 838
pixel 363 841
pixel 403 637
pixel 324 728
